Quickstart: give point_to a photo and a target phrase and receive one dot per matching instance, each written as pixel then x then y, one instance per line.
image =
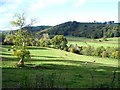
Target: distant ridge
pixel 82 29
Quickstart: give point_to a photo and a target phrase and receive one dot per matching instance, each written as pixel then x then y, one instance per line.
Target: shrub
pixel 34 43
pixel 80 50
pixel 74 49
pixel 71 49
pixel 98 51
pixel 59 41
pixel 88 50
pixel 104 54
pixel 44 43
pixel 115 54
pixel 65 49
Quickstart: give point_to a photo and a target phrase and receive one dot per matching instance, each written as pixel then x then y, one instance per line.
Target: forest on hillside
pixel 88 30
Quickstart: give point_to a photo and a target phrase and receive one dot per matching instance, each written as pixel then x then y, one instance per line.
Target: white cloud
pixel 8 5
pixel 79 3
pixel 2 9
pixel 10 1
pixel 55 1
pixel 39 4
pixel 5 1
pixel 5 21
pixel 7 9
pixel 103 1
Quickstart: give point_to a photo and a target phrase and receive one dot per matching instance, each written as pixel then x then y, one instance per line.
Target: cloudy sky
pixel 53 12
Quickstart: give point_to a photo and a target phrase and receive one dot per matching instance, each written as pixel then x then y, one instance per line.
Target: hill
pixel 78 29
pixel 32 29
pixel 89 30
pixel 37 28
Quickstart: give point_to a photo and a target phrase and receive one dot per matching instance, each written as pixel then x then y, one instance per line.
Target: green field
pixel 112 42
pixel 59 69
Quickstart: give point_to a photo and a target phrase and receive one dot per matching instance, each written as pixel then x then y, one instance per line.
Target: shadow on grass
pixel 85 62
pixel 44 56
pixel 35 67
pixel 98 67
pixel 45 60
pixel 9 59
pixel 39 48
pixel 15 58
pixel 70 72
pixel 5 54
pixel 63 67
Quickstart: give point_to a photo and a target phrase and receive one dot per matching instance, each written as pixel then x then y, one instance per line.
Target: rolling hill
pixel 89 30
pixel 79 29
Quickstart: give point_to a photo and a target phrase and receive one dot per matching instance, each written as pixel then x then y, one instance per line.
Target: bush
pixel 59 41
pixel 105 54
pixel 115 54
pixel 88 50
pixel 65 49
pixel 80 50
pixel 74 49
pixel 71 49
pixel 98 51
pixel 34 43
pixel 44 43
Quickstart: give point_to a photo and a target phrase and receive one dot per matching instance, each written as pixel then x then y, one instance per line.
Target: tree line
pixel 60 42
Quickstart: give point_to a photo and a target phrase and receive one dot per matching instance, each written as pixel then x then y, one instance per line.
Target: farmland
pixel 59 44
pixel 54 68
pixel 112 42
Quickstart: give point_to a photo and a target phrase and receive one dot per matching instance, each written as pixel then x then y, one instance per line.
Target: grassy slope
pixel 112 42
pixel 69 68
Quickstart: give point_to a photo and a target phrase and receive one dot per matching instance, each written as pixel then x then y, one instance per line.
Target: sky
pixel 54 12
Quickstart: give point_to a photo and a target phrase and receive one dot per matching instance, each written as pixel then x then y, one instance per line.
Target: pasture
pixel 53 68
pixel 112 42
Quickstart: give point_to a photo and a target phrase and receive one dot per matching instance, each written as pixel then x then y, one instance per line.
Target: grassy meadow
pixel 53 68
pixel 112 42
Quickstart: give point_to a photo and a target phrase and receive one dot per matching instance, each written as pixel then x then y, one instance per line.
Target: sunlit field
pixel 112 42
pixel 50 68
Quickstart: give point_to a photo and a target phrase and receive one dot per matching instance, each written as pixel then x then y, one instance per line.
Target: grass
pixel 112 42
pixel 57 68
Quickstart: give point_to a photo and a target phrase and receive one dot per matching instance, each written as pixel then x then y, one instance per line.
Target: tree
pixel 9 38
pixel 59 41
pixel 34 42
pixel 45 40
pixel 21 37
pixel 2 38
